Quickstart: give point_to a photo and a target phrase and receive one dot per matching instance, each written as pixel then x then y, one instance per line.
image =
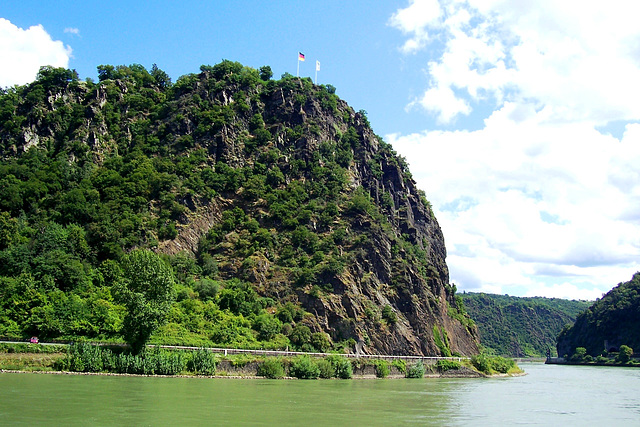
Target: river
pixel 548 395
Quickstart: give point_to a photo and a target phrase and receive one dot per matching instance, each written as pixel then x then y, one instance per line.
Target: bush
pixel 415 371
pixel 202 362
pixel 501 364
pixel 389 315
pixel 304 368
pixel 578 356
pixel 382 368
pixel 625 354
pixel 271 368
pixel 486 364
pixel 341 366
pixel 326 369
pixel 481 363
pixel 400 365
pixel 447 365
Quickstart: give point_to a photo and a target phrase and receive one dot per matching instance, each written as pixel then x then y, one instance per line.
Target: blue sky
pixel 520 119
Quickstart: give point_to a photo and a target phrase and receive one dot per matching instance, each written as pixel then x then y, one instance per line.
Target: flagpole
pixel 298 71
pixel 316 80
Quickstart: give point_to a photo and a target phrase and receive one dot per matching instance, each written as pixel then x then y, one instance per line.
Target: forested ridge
pixel 265 213
pixel 609 324
pixel 520 326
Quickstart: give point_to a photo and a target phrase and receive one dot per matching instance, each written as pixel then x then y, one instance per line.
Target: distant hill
pixel 517 326
pixel 285 220
pixel 614 320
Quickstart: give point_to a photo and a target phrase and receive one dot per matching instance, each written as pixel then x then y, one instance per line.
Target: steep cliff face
pixel 285 187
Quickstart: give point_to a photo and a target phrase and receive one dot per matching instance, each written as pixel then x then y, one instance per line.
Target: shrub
pixel 400 365
pixel 326 369
pixel 271 368
pixel 382 368
pixel 341 366
pixel 625 354
pixel 501 364
pixel 415 371
pixel 304 368
pixel 389 315
pixel 447 365
pixel 202 362
pixel 481 363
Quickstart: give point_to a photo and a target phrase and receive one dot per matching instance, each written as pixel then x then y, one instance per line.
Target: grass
pixel 30 361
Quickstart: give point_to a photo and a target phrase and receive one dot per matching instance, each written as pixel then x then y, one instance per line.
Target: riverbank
pixel 85 358
pixel 608 362
pixel 464 372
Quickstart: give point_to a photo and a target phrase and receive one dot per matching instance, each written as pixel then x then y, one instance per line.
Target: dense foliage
pixel 520 326
pixel 609 324
pixel 96 175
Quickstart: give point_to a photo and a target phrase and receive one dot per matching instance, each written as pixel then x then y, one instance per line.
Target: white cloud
pixel 525 196
pixel 579 58
pixel 23 52
pixel 71 30
pixel 537 201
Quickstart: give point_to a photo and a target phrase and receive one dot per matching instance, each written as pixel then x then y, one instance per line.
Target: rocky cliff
pixel 278 183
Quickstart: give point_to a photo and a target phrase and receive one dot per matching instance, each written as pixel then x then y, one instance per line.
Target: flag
pixel 300 56
pixel 317 65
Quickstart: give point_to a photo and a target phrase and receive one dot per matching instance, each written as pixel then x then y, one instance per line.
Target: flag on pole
pixel 317 65
pixel 300 56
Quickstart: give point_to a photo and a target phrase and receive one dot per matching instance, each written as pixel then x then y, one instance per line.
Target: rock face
pixel 304 200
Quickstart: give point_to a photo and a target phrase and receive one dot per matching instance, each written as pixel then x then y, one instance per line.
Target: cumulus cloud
pixel 23 52
pixel 576 58
pixel 524 196
pixel 539 200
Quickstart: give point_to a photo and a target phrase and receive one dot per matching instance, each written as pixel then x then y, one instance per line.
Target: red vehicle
pixel 34 340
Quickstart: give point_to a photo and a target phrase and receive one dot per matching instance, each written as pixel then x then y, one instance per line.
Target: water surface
pixel 548 395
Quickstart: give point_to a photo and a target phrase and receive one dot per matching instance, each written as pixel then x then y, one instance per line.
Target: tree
pixel 162 79
pixel 147 291
pixel 625 354
pixel 266 73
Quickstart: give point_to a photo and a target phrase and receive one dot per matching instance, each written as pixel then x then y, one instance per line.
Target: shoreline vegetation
pixel 625 357
pixel 84 358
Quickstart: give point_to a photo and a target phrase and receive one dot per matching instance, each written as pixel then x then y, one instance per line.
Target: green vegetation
pixel 447 365
pixel 203 212
pixel 305 368
pixel 493 364
pixel 271 368
pixel 623 357
pixel 382 368
pixel 520 327
pixel 606 326
pixel 415 371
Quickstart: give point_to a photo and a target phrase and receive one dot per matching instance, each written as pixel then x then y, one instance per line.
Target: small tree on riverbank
pixel 147 291
pixel 625 354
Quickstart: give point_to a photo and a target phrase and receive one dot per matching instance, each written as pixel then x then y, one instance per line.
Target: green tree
pixel 147 291
pixel 625 354
pixel 266 73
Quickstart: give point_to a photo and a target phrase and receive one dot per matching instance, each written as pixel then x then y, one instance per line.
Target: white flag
pixel 317 65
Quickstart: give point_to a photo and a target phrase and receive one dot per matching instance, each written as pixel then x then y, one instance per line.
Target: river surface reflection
pixel 548 395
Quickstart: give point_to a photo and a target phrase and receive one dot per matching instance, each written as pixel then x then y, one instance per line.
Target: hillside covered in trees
pixel 610 323
pixel 224 209
pixel 520 326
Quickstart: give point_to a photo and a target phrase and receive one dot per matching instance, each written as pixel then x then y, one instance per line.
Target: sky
pixel 519 119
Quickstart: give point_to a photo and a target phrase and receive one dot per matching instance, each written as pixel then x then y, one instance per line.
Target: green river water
pixel 549 395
